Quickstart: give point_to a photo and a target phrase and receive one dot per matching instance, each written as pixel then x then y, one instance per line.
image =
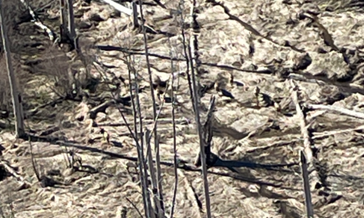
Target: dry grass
pixel 56 67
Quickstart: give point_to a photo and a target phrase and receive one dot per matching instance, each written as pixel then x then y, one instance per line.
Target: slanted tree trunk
pixel 16 97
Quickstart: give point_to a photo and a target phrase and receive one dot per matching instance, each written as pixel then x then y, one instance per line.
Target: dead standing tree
pixel 67 27
pixel 16 97
pixel 71 20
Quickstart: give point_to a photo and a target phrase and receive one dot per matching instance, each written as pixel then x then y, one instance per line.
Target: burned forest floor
pixel 243 47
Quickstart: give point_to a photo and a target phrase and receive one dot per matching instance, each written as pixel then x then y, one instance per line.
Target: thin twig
pixel 320 135
pixel 156 119
pixel 308 144
pixel 199 130
pixel 180 121
pixel 191 195
pixel 34 163
pixel 133 134
pixel 135 120
pixel 193 57
pixel 174 140
pixel 136 108
pixel 152 172
pixel 137 52
pixel 142 161
pixel 250 28
pixel 184 43
pixel 155 131
pixel 135 207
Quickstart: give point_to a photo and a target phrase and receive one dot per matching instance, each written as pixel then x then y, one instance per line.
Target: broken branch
pixel 335 109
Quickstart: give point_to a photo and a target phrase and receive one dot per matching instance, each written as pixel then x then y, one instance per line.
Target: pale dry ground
pixel 104 188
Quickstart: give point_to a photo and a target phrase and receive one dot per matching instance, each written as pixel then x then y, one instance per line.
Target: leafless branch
pixel 140 148
pixel 199 130
pixel 155 131
pixel 133 134
pixel 157 205
pixel 250 28
pixel 174 140
pixel 188 60
pixel 156 119
pixel 135 207
pixel 307 143
pixel 37 174
pixel 139 52
pixel 320 135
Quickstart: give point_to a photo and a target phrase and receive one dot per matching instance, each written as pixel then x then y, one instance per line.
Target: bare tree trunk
pixel 71 23
pixel 135 14
pixel 16 98
pixel 63 12
pixel 63 33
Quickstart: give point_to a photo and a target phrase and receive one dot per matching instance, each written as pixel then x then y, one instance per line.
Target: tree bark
pixel 16 97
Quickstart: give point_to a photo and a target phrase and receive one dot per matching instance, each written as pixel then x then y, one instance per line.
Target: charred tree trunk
pixel 71 24
pixel 67 27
